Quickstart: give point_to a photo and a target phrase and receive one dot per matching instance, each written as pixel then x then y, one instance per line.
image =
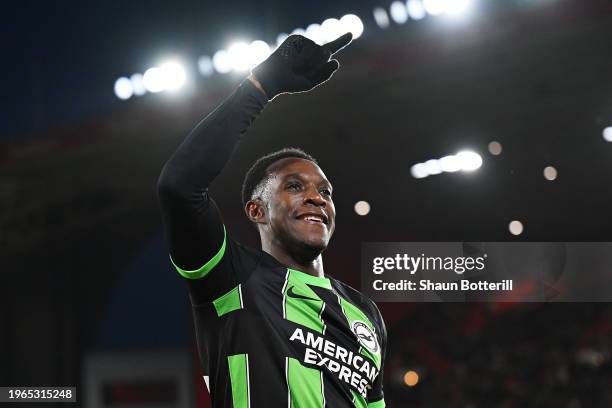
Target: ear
pixel 255 210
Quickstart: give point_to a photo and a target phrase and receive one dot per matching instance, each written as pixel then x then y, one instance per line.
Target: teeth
pixel 310 218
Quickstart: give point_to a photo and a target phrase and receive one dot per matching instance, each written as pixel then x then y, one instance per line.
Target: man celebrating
pixel 272 329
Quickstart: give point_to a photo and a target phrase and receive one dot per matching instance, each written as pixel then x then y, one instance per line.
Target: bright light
pixel 362 208
pixel 173 75
pixel 462 161
pixel 415 8
pixel 353 24
pixel 138 85
pixel 607 134
pixel 315 33
pixel 331 29
pixel 299 31
pixel 434 7
pixel 123 88
pixel 259 51
pixel 411 378
pixel 456 7
pixel 221 62
pixel 550 173
pixel 419 170
pixel 399 14
pixel 281 37
pixel 238 54
pixel 205 65
pixel 433 167
pixel 470 161
pixel 381 17
pixel 495 148
pixel 516 227
pixel 153 80
pixel 450 164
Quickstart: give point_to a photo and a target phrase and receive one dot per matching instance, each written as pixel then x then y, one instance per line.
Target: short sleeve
pixel 230 265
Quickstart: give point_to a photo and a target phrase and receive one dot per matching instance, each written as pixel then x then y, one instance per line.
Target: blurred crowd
pixel 501 355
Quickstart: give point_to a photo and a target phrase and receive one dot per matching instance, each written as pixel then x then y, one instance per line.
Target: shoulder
pixel 358 299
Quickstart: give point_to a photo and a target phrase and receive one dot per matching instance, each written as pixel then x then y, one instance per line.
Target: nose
pixel 313 196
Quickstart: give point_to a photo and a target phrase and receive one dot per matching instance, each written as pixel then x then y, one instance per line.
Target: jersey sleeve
pixel 199 245
pixel 376 397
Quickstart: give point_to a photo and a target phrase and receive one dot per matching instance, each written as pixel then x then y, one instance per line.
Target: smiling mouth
pixel 313 219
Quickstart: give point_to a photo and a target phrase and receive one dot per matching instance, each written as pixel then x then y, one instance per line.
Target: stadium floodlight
pixel 353 24
pixel 450 164
pixel 434 7
pixel 123 88
pixel 607 134
pixel 173 75
pixel 468 160
pixel 433 167
pixel 259 51
pixel 419 170
pixel 315 33
pixel 463 161
pixel 221 62
pixel 299 31
pixel 239 56
pixel 205 65
pixel 281 37
pixel 331 29
pixel 153 80
pixel 456 7
pixel 415 9
pixel 381 17
pixel 138 84
pixel 398 11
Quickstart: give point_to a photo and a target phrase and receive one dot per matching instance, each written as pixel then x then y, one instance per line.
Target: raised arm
pixel 192 222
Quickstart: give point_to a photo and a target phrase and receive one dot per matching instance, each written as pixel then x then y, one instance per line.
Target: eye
pixel 326 191
pixel 293 186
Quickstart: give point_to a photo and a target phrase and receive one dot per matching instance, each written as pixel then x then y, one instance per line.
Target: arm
pixel 192 222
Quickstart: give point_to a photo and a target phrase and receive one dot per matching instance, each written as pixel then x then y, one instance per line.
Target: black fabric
pixel 192 221
pixel 259 328
pixel 260 331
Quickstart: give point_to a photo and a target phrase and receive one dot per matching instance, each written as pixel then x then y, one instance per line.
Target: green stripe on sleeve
pixel 359 401
pixel 305 385
pixel 377 404
pixel 239 378
pixel 229 302
pixel 207 267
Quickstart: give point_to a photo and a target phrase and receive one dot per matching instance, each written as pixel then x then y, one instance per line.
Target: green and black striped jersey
pixel 269 336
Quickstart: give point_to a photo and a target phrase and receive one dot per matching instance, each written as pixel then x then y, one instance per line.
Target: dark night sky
pixel 65 57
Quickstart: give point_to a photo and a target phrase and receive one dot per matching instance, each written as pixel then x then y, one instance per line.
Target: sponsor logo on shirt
pixel 353 368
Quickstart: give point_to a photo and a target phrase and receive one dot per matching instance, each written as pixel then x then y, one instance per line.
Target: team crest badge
pixel 366 337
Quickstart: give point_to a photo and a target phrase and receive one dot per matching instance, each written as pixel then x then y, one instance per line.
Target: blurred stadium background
pixel 87 296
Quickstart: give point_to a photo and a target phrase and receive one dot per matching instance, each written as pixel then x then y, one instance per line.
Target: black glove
pixel 298 65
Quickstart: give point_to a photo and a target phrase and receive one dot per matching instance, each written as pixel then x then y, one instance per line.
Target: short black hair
pixel 257 172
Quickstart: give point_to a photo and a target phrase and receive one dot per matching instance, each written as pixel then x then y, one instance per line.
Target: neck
pixel 311 264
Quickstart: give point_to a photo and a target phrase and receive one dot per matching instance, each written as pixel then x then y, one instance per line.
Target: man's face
pixel 299 203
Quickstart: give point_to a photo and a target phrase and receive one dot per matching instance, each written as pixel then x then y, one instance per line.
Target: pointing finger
pixel 339 43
